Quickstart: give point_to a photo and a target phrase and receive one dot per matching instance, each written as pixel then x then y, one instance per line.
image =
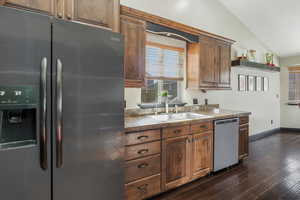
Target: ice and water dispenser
pixel 18 116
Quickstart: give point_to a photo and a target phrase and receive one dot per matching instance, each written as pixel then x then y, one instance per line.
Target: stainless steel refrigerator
pixel 61 109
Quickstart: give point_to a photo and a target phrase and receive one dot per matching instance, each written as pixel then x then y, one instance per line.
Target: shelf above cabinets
pixel 254 65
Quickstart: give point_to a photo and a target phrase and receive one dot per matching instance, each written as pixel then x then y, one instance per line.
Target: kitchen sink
pixel 177 116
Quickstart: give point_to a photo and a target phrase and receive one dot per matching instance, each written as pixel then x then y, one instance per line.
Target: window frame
pixel 160 79
pixel 293 70
pixel 167 47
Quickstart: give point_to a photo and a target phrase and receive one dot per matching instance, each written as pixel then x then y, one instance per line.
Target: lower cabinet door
pixel 202 153
pixel 176 161
pixel 244 141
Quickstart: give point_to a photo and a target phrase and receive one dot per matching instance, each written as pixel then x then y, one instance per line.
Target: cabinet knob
pixel 177 131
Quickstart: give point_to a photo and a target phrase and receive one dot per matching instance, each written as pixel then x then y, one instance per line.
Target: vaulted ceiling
pixel 276 23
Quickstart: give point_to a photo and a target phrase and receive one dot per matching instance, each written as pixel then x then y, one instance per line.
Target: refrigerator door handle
pixel 43 126
pixel 59 111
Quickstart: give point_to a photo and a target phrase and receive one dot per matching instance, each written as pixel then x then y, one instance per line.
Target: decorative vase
pixel 251 55
pixel 270 59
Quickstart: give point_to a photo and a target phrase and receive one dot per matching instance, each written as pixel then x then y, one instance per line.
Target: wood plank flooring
pixel 272 172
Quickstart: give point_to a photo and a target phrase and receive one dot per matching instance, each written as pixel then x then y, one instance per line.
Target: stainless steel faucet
pixel 167 105
pixel 176 108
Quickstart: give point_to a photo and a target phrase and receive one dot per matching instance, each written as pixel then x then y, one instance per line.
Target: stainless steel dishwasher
pixel 226 143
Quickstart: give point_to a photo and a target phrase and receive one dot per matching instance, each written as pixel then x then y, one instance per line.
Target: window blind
pixel 164 62
pixel 294 83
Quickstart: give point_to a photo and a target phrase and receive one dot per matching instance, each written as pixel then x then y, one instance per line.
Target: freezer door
pixel 88 119
pixel 25 57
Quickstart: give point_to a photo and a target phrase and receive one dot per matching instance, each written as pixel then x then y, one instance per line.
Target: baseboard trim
pixel 264 134
pixel 290 129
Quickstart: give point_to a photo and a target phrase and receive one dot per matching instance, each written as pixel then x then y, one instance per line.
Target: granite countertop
pixel 144 122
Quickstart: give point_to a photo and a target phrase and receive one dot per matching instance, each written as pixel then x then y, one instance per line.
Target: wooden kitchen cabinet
pixel 134 32
pixel 142 164
pixel 225 66
pixel 100 13
pixel 209 64
pixel 143 188
pixel 46 6
pixel 244 137
pixel 202 154
pixel 103 13
pixel 244 141
pixel 176 159
pixel 186 154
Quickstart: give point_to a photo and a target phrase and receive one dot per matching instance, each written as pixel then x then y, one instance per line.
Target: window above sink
pixel 165 62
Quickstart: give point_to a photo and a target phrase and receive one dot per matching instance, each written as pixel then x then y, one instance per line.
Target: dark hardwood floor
pixel 272 171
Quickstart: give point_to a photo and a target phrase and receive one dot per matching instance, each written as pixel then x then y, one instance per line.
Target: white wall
pixel 290 115
pixel 213 17
pixel 265 106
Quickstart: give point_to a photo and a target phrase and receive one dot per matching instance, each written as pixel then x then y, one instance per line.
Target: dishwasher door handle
pixel 227 121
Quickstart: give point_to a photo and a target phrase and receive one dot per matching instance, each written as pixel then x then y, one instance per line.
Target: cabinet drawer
pixel 244 120
pixel 142 137
pixel 141 168
pixel 142 150
pixel 201 127
pixel 176 131
pixel 142 189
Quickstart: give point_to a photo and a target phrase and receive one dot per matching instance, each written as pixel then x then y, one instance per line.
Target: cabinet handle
pixel 143 137
pixel 143 151
pixel 177 131
pixel 69 17
pixel 205 137
pixel 144 165
pixel 143 188
pixel 204 126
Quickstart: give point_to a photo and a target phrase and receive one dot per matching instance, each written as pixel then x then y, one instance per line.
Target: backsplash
pixel 138 111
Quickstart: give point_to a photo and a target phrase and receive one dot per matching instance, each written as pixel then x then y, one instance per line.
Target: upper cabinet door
pixel 202 154
pixel 225 66
pixel 39 5
pixel 104 13
pixel 134 32
pixel 208 64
